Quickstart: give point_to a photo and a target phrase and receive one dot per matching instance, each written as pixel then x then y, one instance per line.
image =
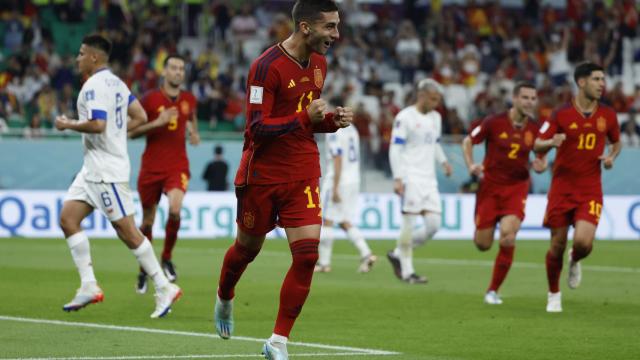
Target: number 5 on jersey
pixel 173 122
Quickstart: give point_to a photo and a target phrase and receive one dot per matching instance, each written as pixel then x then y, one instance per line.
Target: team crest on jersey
pixel 249 219
pixel 317 78
pixel 184 107
pixel 601 124
pixel 528 138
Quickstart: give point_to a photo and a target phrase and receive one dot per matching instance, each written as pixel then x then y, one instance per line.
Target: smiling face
pixel 322 33
pixel 525 101
pixel 593 86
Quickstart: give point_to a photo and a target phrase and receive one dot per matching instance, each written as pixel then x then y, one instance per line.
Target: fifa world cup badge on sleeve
pixel 256 95
pixel 317 78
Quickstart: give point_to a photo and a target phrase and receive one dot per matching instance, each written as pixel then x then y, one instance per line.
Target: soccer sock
pixel 296 285
pixel 501 267
pixel 235 262
pixel 405 247
pixel 275 338
pixel 149 263
pixel 326 245
pixel 357 239
pixel 431 226
pixel 81 253
pixel 554 268
pixel 170 238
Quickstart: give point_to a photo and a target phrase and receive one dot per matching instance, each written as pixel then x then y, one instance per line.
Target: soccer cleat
pixel 86 294
pixel 322 268
pixel 554 302
pixel 141 284
pixel 395 264
pixel 415 279
pixel 169 270
pixel 366 263
pixel 223 317
pixel 492 298
pixel 575 272
pixel 275 351
pixel 165 297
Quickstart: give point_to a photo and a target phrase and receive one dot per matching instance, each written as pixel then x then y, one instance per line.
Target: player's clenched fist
pixel 61 122
pixel 343 116
pixel 558 139
pixel 476 169
pixel 316 110
pixel 166 116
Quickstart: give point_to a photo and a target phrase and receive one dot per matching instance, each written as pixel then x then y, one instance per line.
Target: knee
pixel 68 226
pixel 557 248
pixel 582 248
pixel 433 223
pixel 307 259
pixel 174 214
pixel 482 246
pixel 508 239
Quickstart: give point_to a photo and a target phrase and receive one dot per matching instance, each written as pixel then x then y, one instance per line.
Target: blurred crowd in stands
pixel 477 51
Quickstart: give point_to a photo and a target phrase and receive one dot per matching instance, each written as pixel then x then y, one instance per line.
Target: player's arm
pixel 137 115
pixel 539 163
pixel 478 134
pixel 95 125
pixel 440 156
pixel 548 137
pixel 397 146
pixel 162 120
pixel 342 118
pixel 614 151
pixel 337 174
pixel 192 129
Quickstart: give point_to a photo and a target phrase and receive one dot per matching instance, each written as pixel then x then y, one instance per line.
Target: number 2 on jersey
pixel 513 154
pixel 304 95
pixel 173 122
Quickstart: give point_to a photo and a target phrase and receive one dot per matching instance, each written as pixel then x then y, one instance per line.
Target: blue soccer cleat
pixel 275 351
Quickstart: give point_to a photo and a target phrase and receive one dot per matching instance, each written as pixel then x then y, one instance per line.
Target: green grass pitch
pixel 347 314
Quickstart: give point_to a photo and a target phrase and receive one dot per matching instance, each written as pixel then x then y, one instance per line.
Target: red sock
pixel 554 268
pixel 297 284
pixel 235 262
pixel 501 267
pixel 147 231
pixel 170 237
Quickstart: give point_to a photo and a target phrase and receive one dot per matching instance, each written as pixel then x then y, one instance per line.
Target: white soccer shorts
pixel 345 210
pixel 114 200
pixel 420 197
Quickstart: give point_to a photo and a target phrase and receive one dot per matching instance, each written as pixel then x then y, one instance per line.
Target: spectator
pixel 630 136
pixel 408 50
pixel 215 174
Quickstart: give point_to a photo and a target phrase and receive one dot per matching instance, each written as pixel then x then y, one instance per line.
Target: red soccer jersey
pixel 166 149
pixel 507 148
pixel 577 167
pixel 278 140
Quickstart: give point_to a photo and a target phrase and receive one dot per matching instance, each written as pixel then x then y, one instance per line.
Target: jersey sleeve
pixel 613 129
pixel 549 127
pixel 96 101
pixel 148 105
pixel 480 132
pixel 399 131
pixel 263 87
pixel 398 140
pixel 326 126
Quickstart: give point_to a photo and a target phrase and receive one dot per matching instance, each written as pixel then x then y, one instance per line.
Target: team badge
pixel 317 78
pixel 601 124
pixel 184 107
pixel 249 220
pixel 528 138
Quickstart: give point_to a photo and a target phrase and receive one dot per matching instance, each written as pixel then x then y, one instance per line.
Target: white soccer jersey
pixel 415 141
pixel 104 97
pixel 346 143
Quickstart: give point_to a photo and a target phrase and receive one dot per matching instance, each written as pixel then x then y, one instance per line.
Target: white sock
pixel 81 253
pixel 431 226
pixel 275 338
pixel 147 259
pixel 326 245
pixel 405 247
pixel 357 239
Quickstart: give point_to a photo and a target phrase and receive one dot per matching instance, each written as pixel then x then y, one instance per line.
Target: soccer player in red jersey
pixel 502 195
pixel 579 130
pixel 165 166
pixel 278 175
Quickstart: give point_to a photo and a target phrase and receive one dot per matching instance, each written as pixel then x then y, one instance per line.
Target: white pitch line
pixel 363 351
pixel 196 356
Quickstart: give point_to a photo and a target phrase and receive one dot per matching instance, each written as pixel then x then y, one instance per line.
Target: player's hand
pixel 558 139
pixel 194 139
pixel 476 169
pixel 398 187
pixel 316 110
pixel 343 116
pixel 539 165
pixel 448 170
pixel 607 161
pixel 62 122
pixel 336 197
pixel 166 116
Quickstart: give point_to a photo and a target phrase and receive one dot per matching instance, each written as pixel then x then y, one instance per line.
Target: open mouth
pixel 327 44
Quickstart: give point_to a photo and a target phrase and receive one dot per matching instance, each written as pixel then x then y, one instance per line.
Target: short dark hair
pixel 172 56
pixel 585 70
pixel 218 150
pixel 309 10
pixel 522 85
pixel 99 42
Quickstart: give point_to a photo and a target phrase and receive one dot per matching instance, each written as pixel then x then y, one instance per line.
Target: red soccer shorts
pixel 566 209
pixel 262 207
pixel 152 185
pixel 494 201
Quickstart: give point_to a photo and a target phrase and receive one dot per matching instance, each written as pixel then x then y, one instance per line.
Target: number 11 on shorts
pixel 311 204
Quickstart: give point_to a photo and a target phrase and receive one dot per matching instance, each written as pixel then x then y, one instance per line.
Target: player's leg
pixel 72 214
pixel 431 221
pixel 326 247
pixel 367 259
pixel 483 238
pixel 583 237
pixel 149 190
pixel 554 267
pixel 175 196
pixel 509 226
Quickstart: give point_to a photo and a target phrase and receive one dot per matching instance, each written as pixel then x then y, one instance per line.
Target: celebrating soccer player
pixel 277 180
pixel 414 152
pixel 579 131
pixel 104 103
pixel 501 198
pixel 165 166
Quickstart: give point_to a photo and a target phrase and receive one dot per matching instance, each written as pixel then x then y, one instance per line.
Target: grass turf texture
pixel 444 319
